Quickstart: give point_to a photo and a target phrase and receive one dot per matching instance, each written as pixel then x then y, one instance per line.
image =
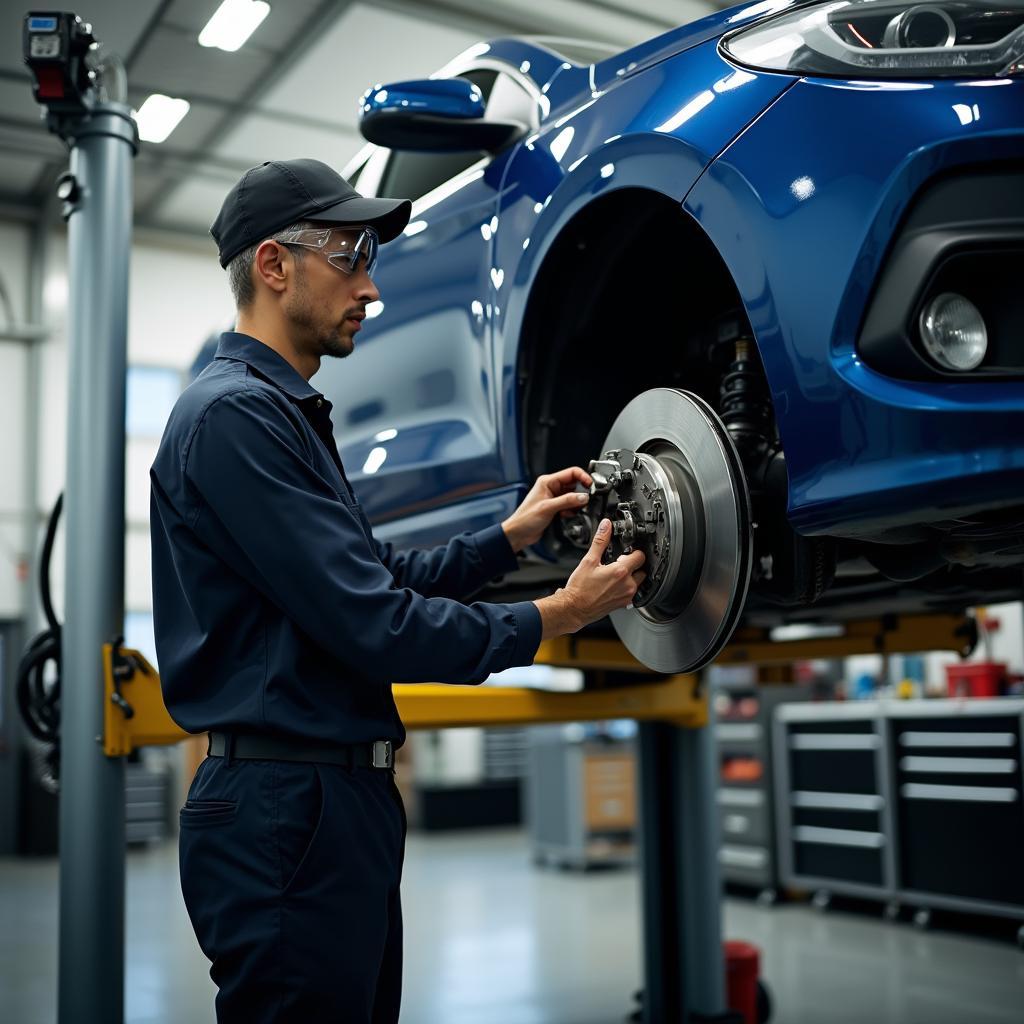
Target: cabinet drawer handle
pixel 973 794
pixel 833 741
pixel 957 739
pixel 838 837
pixel 838 801
pixel 960 765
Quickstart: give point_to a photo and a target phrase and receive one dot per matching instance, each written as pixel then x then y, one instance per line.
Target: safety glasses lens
pixel 348 250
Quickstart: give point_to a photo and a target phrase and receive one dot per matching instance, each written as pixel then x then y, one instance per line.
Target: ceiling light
pixel 159 116
pixel 232 23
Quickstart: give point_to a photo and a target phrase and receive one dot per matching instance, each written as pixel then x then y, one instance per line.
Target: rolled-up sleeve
pixel 284 527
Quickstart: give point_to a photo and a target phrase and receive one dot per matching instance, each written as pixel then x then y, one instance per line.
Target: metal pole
pixel 92 834
pixel 681 886
pixel 660 870
pixel 701 883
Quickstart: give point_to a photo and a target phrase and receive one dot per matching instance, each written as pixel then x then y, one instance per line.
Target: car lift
pixel 684 972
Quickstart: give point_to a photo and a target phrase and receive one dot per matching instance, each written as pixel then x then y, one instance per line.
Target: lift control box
pixel 57 47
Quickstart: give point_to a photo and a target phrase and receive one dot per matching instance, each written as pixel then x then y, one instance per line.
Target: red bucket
pixel 742 967
pixel 976 679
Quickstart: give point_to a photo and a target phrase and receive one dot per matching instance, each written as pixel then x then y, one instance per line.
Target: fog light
pixel 953 332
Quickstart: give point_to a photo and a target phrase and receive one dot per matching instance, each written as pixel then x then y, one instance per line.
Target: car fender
pixel 674 118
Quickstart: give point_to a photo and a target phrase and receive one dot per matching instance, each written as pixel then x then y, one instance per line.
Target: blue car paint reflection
pixel 799 184
pixel 805 235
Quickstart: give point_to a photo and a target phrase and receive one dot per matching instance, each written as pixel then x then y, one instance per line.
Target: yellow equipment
pixel 133 707
pixel 135 716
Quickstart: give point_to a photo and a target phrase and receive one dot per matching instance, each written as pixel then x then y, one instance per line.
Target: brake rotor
pixel 672 484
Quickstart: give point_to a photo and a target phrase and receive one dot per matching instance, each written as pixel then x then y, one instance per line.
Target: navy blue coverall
pixel 277 613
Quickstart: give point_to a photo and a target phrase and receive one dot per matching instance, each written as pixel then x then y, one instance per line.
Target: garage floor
pixel 492 939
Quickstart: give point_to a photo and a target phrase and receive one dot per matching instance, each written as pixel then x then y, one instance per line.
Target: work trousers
pixel 290 874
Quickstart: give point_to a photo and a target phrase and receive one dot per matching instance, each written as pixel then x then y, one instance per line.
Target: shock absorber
pixel 745 407
pixel 791 570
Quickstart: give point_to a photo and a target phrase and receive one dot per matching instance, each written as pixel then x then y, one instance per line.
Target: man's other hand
pixel 594 589
pixel 553 494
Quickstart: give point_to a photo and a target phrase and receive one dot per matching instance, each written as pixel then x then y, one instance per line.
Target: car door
pixel 415 404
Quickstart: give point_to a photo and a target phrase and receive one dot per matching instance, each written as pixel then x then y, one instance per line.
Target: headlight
pixel 886 39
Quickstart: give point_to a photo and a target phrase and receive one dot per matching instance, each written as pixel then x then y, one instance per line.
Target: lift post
pixel 88 114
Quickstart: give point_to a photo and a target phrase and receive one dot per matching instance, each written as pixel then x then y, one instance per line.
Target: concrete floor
pixel 490 938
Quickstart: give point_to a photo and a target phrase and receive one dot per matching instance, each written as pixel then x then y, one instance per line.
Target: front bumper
pixel 963 233
pixel 807 208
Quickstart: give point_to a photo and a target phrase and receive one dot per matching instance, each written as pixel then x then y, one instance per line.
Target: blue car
pixel 763 272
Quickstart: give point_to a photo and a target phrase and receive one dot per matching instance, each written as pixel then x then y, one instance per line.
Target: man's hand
pixel 593 590
pixel 551 495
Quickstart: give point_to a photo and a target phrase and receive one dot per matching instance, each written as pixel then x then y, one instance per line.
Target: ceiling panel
pixel 29 138
pixel 671 12
pixel 16 100
pixel 272 35
pixel 362 47
pixel 18 174
pixel 173 59
pixel 192 206
pixel 146 186
pixel 260 138
pixel 190 132
pixel 599 20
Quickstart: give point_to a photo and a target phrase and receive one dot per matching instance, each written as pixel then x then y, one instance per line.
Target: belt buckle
pixel 383 754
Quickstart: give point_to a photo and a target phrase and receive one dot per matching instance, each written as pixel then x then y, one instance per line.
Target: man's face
pixel 325 305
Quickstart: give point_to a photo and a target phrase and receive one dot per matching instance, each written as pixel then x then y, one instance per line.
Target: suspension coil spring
pixel 744 403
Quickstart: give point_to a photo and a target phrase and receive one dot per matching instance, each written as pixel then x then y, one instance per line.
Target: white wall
pixel 178 296
pixel 14 244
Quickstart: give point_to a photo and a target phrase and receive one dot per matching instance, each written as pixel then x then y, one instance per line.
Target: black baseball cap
pixel 281 192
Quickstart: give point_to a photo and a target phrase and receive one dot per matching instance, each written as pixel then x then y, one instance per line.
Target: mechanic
pixel 281 622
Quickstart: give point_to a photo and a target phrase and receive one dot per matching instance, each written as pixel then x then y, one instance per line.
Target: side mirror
pixel 440 115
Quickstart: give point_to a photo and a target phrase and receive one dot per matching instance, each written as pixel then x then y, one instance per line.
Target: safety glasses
pixel 343 247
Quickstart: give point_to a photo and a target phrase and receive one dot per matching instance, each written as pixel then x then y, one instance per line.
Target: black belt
pixel 379 754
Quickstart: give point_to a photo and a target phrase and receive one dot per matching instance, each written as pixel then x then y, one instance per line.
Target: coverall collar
pixel 268 363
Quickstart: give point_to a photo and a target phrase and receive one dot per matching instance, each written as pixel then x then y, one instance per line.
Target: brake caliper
pixel 630 490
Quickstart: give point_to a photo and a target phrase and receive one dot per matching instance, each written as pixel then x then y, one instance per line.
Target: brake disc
pixel 672 484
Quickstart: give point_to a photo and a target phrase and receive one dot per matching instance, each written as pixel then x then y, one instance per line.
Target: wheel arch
pixel 585 302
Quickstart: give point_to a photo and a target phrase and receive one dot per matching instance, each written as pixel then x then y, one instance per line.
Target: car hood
pixel 655 50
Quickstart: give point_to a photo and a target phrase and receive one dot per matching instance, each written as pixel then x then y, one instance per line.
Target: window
pixel 139 635
pixel 150 396
pixel 410 175
pixel 509 101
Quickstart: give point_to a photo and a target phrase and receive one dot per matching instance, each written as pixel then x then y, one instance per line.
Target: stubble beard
pixel 322 337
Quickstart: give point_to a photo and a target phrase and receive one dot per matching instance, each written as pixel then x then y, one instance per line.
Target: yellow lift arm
pixel 135 715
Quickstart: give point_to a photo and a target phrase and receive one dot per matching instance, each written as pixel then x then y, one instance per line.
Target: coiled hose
pixel 38 692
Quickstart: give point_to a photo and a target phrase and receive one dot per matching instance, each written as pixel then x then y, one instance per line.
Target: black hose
pixel 38 696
